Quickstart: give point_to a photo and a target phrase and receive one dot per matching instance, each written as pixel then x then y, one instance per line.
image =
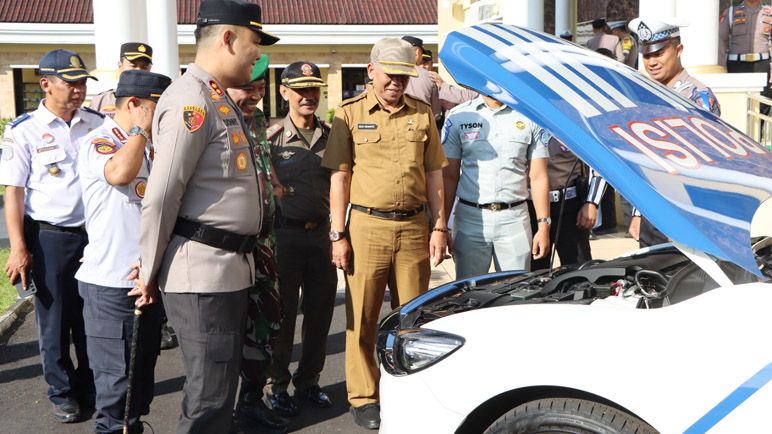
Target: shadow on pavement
pixel 171 385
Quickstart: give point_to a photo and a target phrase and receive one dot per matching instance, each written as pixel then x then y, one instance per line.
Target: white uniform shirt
pixel 112 212
pixel 40 153
pixel 494 147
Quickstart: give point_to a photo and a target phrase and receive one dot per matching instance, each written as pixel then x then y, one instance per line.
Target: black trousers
pixel 649 235
pixel 59 311
pixel 109 316
pixel 210 328
pixel 304 259
pixel 573 244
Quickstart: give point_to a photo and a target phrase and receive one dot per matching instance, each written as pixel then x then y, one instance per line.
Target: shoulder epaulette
pixel 415 98
pixel 354 99
pixel 90 110
pixel 273 129
pixel 18 119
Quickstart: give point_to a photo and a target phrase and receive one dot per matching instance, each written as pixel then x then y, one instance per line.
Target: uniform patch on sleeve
pixel 193 117
pixel 140 189
pixel 446 129
pixel 103 146
pixel 7 152
pixel 108 108
pixel 627 43
pixel 118 134
pixel 544 137
pixel 723 18
pixel 241 162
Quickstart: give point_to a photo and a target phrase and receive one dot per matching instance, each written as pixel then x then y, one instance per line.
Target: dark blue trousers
pixel 59 311
pixel 109 316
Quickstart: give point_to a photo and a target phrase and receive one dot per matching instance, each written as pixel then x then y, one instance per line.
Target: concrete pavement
pixel 24 407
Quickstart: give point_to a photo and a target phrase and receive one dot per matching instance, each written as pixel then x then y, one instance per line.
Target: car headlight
pixel 416 349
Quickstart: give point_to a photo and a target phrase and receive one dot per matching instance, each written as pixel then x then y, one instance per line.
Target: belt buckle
pixel 749 57
pixel 495 206
pixel 393 215
pixel 310 225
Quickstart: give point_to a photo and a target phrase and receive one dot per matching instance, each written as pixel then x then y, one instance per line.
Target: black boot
pixel 251 407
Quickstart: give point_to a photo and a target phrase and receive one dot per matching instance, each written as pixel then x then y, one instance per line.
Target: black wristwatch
pixel 337 236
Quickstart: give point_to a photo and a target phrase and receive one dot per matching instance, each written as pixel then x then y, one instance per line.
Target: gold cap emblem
pixel 141 49
pixel 75 62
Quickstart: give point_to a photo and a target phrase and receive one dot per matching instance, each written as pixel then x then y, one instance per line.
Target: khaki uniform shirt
pixel 299 168
pixel 425 88
pixel 561 161
pixel 104 103
pixel 203 170
pixel 609 42
pixel 454 96
pixel 751 30
pixel 387 153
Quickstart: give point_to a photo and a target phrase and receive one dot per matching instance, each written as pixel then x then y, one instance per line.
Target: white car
pixel 670 339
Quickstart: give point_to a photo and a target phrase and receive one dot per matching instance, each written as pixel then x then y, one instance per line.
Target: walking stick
pixel 130 387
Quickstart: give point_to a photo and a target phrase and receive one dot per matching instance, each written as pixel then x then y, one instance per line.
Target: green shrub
pixel 330 114
pixel 7 291
pixel 3 121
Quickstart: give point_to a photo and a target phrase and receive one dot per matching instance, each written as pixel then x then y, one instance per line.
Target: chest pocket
pixel 416 140
pixel 739 25
pixel 237 158
pixel 367 148
pixel 51 159
pixel 136 190
pixel 516 147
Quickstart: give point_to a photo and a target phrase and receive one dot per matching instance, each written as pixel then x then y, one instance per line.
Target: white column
pixel 162 36
pixel 110 32
pixel 524 13
pixel 562 16
pixel 700 38
pixel 659 8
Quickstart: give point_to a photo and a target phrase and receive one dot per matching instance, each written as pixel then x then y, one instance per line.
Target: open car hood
pixel 695 177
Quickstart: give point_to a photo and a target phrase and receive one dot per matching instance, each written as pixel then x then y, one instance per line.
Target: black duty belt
pixel 304 224
pixel 214 237
pixel 49 227
pixel 492 206
pixel 391 215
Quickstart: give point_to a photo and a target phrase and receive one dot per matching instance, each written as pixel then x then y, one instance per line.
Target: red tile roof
pixel 274 11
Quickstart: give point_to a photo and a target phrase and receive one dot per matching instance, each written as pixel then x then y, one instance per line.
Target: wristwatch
pixel 137 130
pixel 545 220
pixel 337 236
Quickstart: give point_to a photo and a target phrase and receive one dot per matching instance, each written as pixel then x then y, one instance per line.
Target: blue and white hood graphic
pixel 695 177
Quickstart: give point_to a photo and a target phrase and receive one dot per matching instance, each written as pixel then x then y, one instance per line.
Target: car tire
pixel 567 415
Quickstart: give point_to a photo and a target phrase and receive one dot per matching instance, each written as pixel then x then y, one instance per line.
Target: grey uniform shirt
pixel 298 166
pixel 750 30
pixel 104 103
pixel 204 171
pixel 609 42
pixel 423 87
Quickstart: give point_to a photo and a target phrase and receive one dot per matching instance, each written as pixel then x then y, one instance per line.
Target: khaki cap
pixel 394 56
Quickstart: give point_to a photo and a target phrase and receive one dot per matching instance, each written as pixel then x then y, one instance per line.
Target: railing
pixel 759 125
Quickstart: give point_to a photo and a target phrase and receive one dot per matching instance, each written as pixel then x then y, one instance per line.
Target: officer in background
pixel 745 41
pixel 427 60
pixel 386 159
pixel 134 55
pixel 264 312
pixel 603 40
pixel 582 200
pixel 44 215
pixel 114 163
pixel 298 143
pixel 490 147
pixel 422 85
pixel 451 96
pixel 202 211
pixel 660 45
pixel 629 44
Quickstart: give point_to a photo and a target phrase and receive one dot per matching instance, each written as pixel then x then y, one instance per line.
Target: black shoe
pixel 252 407
pixel 167 340
pixel 67 412
pixel 368 415
pixel 315 395
pixel 283 404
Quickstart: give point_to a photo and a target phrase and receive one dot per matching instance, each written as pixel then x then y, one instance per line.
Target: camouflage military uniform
pixel 264 310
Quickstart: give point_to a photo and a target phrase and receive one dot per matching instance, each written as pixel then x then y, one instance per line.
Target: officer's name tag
pixel 367 126
pixel 47 148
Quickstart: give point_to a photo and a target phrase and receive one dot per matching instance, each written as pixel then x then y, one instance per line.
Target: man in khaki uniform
pixel 297 146
pixel 629 44
pixel 386 158
pixel 422 85
pixel 604 40
pixel 134 55
pixel 201 212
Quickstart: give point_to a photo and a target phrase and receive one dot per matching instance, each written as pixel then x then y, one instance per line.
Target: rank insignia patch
pixel 241 162
pixel 216 88
pixel 224 109
pixel 140 189
pixel 214 96
pixel 118 134
pixel 243 137
pixel 108 108
pixel 235 138
pixel 103 146
pixel 520 125
pixel 193 116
